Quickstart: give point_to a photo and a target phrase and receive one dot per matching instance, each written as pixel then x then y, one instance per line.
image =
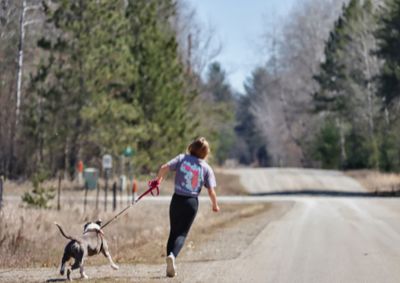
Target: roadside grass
pixel 29 238
pixel 375 181
pixel 226 185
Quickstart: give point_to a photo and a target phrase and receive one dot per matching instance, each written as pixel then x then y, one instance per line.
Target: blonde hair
pixel 199 148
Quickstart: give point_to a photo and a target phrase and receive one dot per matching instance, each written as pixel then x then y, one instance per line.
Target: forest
pixel 80 79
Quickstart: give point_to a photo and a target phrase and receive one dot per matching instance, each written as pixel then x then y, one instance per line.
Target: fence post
pixel 121 191
pixel 86 193
pixel 1 190
pixel 105 190
pixel 97 195
pixel 128 192
pixel 59 193
pixel 114 189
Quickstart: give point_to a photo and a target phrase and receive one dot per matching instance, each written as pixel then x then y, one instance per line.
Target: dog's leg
pixel 83 274
pixel 64 260
pixel 106 253
pixel 69 274
pixel 79 260
pixel 81 267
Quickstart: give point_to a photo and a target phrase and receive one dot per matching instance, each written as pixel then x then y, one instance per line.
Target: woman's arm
pixel 164 169
pixel 213 198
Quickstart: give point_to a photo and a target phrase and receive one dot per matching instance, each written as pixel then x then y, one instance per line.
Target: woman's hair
pixel 199 148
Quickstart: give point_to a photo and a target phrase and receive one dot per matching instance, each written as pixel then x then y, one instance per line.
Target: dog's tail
pixel 63 233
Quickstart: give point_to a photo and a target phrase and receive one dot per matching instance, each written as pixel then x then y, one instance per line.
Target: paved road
pixel 321 239
pixel 262 180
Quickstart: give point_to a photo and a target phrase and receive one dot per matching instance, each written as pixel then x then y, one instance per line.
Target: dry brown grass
pixel 227 185
pixel 375 181
pixel 29 238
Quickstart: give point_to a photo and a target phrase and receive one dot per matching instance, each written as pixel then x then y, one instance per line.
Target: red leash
pixel 153 185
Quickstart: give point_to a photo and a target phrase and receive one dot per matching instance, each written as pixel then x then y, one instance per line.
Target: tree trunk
pixel 343 154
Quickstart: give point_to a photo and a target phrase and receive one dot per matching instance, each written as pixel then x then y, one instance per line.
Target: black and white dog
pixel 92 242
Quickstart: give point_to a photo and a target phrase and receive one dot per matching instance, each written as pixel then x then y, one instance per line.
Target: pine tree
pixel 346 83
pixel 327 146
pixel 389 82
pixel 60 84
pixel 221 111
pixel 114 114
pixel 83 95
pixel 388 50
pixel 160 84
pixel 246 128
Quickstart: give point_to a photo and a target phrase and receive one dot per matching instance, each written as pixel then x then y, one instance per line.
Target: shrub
pixel 40 196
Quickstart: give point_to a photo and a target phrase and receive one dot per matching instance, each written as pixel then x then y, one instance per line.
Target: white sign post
pixel 107 162
pixel 107 166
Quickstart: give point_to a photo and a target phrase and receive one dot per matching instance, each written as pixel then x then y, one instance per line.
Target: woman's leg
pixel 182 214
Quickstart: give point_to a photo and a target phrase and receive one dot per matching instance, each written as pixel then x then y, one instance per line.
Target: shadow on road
pixel 56 280
pixel 327 193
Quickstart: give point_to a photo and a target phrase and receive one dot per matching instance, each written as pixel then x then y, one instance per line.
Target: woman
pixel 192 173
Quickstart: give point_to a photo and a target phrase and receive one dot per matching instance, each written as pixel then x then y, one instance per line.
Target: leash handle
pixel 152 186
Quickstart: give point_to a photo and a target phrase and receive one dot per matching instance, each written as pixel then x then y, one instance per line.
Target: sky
pixel 239 26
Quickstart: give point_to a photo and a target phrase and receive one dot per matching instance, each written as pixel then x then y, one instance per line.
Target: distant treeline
pixel 329 95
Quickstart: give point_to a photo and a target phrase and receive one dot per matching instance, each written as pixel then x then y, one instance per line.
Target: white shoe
pixel 171 268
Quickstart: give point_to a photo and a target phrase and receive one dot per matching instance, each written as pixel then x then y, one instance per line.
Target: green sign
pixel 129 152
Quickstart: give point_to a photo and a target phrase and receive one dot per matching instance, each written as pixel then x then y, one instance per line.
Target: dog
pixel 91 243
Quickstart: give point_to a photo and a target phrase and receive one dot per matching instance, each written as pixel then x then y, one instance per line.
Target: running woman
pixel 192 173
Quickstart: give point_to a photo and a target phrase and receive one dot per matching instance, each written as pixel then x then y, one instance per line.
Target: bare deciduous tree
pixel 295 51
pixel 197 42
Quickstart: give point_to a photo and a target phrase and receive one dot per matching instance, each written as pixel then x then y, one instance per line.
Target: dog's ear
pixel 98 222
pixel 85 226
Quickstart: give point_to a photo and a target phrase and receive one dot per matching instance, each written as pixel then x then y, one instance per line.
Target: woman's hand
pixel 215 208
pixel 213 198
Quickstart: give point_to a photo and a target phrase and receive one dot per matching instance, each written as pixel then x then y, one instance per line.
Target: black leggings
pixel 182 212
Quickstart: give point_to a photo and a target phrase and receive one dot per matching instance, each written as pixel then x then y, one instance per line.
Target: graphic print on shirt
pixel 193 176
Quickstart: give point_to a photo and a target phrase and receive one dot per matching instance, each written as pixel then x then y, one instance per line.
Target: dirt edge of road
pixel 222 241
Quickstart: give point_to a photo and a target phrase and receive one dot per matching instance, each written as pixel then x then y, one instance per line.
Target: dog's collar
pixel 93 230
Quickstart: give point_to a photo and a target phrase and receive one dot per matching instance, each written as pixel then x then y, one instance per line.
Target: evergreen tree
pixel 82 91
pixel 246 127
pixel 217 85
pixel 346 83
pixel 388 50
pixel 221 109
pixel 327 146
pixel 160 84
pixel 389 83
pixel 114 114
pixel 60 83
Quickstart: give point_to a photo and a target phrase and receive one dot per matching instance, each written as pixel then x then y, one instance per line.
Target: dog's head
pixel 93 227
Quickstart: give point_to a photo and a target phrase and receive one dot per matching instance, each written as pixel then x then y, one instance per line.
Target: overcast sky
pixel 239 26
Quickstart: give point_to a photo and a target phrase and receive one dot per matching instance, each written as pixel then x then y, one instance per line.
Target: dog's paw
pixel 114 266
pixel 84 276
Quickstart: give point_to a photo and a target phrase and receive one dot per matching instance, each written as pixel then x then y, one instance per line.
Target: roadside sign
pixel 128 152
pixel 107 161
pixel 91 176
